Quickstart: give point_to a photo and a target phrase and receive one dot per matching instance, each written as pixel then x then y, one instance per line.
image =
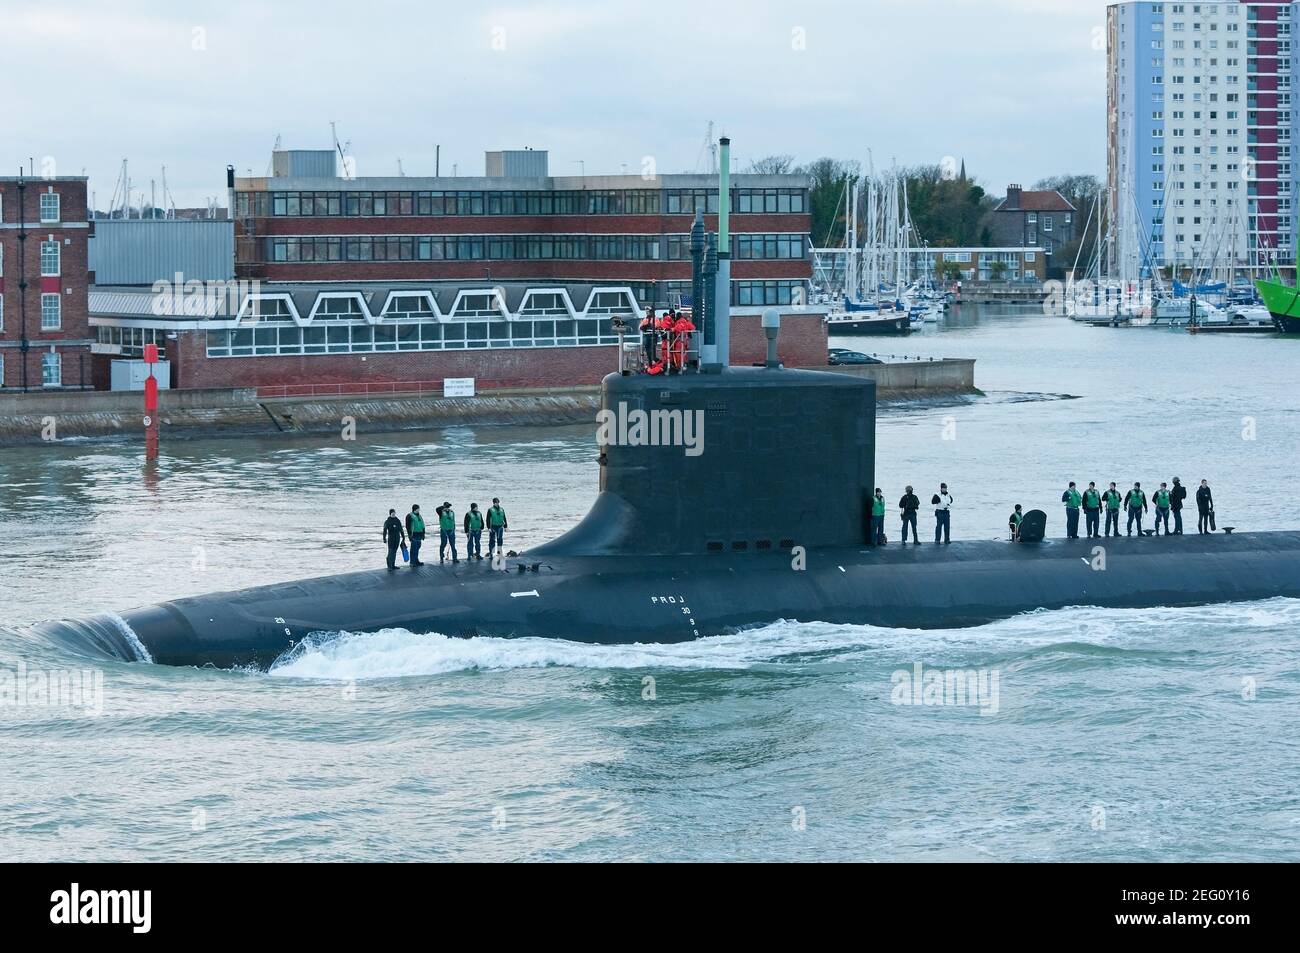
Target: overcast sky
pixel 1014 87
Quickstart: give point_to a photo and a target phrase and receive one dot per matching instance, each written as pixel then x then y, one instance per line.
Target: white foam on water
pixel 133 640
pixel 398 653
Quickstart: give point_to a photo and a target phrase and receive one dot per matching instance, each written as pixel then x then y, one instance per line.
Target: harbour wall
pixel 917 378
pixel 49 416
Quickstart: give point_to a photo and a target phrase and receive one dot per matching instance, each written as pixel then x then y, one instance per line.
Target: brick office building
pixel 519 225
pixel 45 335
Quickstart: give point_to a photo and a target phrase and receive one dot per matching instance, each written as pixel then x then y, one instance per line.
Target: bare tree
pixel 772 165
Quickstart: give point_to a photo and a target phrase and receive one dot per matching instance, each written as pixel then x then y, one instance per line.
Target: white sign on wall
pixel 458 387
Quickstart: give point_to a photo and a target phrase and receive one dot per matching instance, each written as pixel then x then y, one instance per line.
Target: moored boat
pixel 1283 303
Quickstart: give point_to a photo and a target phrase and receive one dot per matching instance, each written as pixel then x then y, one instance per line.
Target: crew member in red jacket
pixel 682 329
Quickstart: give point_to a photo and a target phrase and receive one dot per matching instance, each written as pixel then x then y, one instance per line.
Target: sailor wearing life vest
pixel 415 530
pixel 496 522
pixel 1113 500
pixel 447 526
pixel 1161 499
pixel 473 533
pixel 681 336
pixel 1092 511
pixel 1136 504
pixel 1071 499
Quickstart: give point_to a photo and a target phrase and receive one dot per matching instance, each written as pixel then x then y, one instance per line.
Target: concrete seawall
pixel 916 378
pixel 50 415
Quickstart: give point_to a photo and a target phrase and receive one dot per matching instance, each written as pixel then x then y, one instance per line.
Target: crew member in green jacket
pixel 1161 499
pixel 1092 511
pixel 1113 501
pixel 447 524
pixel 1071 499
pixel 1013 523
pixel 878 518
pixel 415 530
pixel 496 523
pixel 1136 504
pixel 473 533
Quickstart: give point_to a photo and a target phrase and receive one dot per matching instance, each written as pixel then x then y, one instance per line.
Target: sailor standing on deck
pixel 1162 501
pixel 1176 496
pixel 415 530
pixel 447 525
pixel 1204 507
pixel 473 533
pixel 1071 499
pixel 1136 504
pixel 394 536
pixel 878 518
pixel 1113 501
pixel 908 505
pixel 1092 511
pixel 496 522
pixel 942 503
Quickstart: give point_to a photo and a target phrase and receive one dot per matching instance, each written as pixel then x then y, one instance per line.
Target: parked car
pixel 839 355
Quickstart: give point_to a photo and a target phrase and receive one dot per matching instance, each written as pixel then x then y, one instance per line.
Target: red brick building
pixel 45 335
pixel 340 338
pixel 514 279
pixel 522 225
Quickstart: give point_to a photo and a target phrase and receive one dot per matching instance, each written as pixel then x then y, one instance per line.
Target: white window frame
pixel 58 258
pixel 45 200
pixel 46 298
pixel 56 364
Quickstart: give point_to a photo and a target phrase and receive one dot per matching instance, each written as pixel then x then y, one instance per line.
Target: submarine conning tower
pixel 722 459
pixel 779 458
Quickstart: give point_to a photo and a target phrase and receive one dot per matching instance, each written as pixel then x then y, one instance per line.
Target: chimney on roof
pixel 1013 196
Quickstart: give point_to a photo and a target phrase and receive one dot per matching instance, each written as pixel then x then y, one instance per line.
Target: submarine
pixel 729 497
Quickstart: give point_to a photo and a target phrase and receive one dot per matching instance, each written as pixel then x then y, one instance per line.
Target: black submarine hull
pixel 666 599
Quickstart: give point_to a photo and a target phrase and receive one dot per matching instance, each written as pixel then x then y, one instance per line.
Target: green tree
pixel 828 198
pixel 946 212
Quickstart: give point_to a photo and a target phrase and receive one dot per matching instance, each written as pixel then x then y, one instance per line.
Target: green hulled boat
pixel 1283 303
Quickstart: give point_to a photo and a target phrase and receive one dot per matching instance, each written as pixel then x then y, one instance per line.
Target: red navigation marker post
pixel 151 404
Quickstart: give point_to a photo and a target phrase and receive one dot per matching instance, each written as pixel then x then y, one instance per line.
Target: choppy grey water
pixel 1165 734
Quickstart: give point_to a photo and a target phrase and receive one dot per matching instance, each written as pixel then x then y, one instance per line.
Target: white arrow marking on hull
pixel 530 592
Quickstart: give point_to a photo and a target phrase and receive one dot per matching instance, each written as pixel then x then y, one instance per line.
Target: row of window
pixel 360 338
pixel 51 259
pixel 748 292
pixel 51 369
pixel 518 247
pixel 133 340
pixel 49 206
pixel 575 202
pixel 51 312
pixel 417 307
